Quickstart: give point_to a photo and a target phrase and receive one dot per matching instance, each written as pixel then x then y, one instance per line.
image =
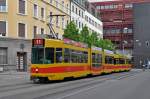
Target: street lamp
pixel 137 55
pixel 123 46
pixel 138 42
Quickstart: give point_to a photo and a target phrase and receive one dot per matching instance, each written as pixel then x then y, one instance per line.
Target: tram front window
pixel 37 55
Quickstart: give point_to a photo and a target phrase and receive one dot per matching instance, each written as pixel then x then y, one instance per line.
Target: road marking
pixel 95 86
pixel 82 90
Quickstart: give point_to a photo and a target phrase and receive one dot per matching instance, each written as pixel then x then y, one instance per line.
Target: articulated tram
pixel 57 60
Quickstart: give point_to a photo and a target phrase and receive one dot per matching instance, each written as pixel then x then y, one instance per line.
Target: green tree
pixel 71 31
pixel 94 39
pixel 84 35
pixel 107 44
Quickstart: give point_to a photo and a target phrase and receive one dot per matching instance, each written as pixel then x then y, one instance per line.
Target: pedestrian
pixel 143 67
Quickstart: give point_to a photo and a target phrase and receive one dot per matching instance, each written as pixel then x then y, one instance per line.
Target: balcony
pixel 119 36
pixel 118 23
pixel 3 8
pixel 126 46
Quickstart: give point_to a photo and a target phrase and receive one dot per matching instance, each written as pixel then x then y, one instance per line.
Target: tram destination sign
pixel 38 43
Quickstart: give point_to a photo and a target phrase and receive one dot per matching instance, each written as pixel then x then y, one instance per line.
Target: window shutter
pixel 22 6
pixel 2 27
pixel 21 30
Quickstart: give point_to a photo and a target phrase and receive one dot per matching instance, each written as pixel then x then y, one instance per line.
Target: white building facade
pixel 77 14
pixel 94 24
pixel 81 16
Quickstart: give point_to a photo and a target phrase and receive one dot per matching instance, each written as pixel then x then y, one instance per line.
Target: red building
pixel 117 18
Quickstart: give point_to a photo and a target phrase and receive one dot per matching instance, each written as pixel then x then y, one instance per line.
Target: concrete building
pixel 94 24
pixel 78 12
pixel 141 50
pixel 22 20
pixel 83 13
pixel 118 23
pixel 117 18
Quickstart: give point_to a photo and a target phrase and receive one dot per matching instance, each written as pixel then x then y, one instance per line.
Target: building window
pixel 79 13
pixel 68 9
pixel 130 31
pixel 51 13
pixel 63 5
pixel 79 24
pixel 90 20
pixel 82 14
pixel 51 1
pixel 21 29
pixel 2 28
pixel 42 13
pixel 128 5
pixel 3 6
pixel 34 31
pixel 57 21
pixel 125 30
pixel 67 22
pixel 102 7
pixel 72 8
pixel 3 55
pixel 56 3
pixel 76 11
pixel 22 7
pixel 42 30
pixel 63 22
pixel 35 10
pixel 98 7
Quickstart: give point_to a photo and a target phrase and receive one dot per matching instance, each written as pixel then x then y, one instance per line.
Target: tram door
pixel 21 61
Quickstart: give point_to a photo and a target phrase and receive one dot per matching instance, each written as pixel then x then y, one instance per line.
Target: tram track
pixel 83 86
pixel 30 84
pixel 58 88
pixel 16 87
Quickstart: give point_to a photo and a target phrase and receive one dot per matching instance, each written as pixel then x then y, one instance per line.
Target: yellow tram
pixel 56 60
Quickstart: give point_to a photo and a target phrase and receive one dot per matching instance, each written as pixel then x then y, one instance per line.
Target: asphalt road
pixel 126 85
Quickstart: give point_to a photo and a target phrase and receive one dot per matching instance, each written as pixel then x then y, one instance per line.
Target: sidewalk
pixel 14 73
pixel 14 77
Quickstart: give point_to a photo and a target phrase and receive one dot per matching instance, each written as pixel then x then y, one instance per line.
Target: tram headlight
pixel 36 69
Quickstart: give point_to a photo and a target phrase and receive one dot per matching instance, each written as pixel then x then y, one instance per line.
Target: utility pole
pixel 53 35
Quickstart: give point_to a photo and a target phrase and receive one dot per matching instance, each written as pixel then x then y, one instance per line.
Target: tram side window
pixel 67 55
pixel 86 57
pixel 99 59
pixel 121 61
pixel 59 57
pixel 96 60
pixel 128 61
pixel 116 61
pixel 74 56
pixel 93 58
pixel 49 55
pixel 80 57
pixel 109 60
